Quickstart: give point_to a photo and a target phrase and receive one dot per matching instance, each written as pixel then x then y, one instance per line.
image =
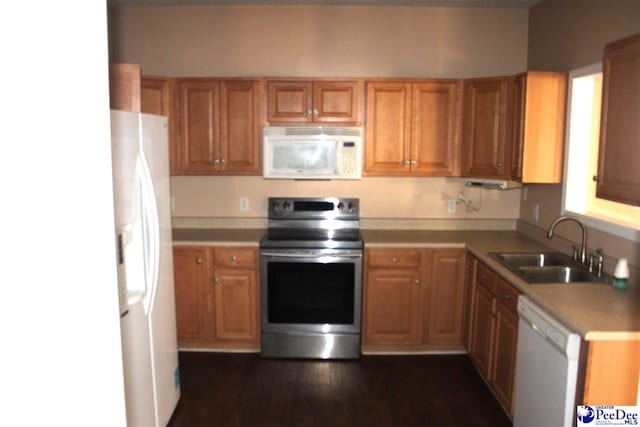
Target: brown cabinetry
pixel 193 294
pixel 313 101
pixel 538 127
pixel 156 97
pixel 618 173
pixel 487 127
pixel 412 299
pixel 494 332
pixel 219 126
pixel 217 297
pixel 413 128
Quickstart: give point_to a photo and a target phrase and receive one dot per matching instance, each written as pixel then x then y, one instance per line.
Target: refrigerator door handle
pixel 150 232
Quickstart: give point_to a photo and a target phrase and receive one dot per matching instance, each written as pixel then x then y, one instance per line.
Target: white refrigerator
pixel 140 153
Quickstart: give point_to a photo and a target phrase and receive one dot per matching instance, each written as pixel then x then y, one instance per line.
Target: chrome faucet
pixel 583 247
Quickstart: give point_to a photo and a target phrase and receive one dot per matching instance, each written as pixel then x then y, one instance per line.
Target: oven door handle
pixel 354 254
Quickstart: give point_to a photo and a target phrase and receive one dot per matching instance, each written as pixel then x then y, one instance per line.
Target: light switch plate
pixel 244 204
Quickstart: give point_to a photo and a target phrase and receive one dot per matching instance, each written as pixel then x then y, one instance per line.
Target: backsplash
pixel 412 199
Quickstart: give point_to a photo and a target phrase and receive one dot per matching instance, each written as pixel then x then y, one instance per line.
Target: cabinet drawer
pixel 394 258
pixel 487 278
pixel 235 257
pixel 507 295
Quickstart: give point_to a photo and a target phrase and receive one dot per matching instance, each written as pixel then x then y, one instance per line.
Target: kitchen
pixel 548 41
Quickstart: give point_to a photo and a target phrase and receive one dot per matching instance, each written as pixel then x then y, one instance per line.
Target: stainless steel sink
pixel 537 259
pixel 545 267
pixel 555 274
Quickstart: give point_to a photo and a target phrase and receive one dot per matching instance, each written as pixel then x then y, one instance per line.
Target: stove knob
pixel 351 206
pixel 287 206
pixel 340 206
pixel 276 206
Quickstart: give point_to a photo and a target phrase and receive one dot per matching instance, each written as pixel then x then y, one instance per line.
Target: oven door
pixel 311 291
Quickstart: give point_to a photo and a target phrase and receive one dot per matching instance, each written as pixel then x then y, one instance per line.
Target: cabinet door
pixel 194 296
pixel 388 151
pixel 445 295
pixel 504 357
pixel 391 307
pixel 482 334
pixel 467 311
pixel 236 310
pixel 434 131
pixel 335 101
pixel 289 101
pixel 156 96
pixel 200 130
pixel 487 125
pixel 240 127
pixel 520 96
pixel 618 172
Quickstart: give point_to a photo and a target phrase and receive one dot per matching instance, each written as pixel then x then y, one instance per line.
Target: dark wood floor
pixel 246 390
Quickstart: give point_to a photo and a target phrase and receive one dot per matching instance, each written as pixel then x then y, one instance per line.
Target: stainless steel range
pixel 311 278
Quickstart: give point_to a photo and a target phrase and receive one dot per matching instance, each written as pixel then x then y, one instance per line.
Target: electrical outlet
pixel 244 204
pixel 535 211
pixel 451 206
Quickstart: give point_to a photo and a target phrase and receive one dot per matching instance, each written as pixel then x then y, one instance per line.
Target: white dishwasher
pixel 546 369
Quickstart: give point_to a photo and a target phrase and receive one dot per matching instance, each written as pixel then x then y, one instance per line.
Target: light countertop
pixel 596 311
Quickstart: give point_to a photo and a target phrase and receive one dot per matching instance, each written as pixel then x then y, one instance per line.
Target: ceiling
pixel 518 4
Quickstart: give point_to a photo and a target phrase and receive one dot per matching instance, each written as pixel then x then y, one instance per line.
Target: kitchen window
pixel 583 135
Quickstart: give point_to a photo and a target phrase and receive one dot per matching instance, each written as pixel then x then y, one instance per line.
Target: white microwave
pixel 312 152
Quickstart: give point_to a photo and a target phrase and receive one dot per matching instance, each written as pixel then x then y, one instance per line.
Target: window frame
pixel 590 221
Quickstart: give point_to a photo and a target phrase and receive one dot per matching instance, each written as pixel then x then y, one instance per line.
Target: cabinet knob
pixel 234 258
pixel 216 161
pixel 394 260
pixel 309 112
pixel 499 164
pixel 221 160
pixel 417 282
pixel 315 111
pixel 216 280
pixel 199 261
pixel 507 296
pixel 407 162
pixel 595 178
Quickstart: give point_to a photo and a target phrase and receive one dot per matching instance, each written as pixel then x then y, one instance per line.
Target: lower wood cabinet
pixel 493 332
pixel 412 299
pixel 217 297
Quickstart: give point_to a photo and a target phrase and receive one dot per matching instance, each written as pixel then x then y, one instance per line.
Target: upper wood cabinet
pixel 618 172
pixel 219 126
pixel 317 101
pixel 413 128
pixel 538 127
pixel 156 97
pixel 487 127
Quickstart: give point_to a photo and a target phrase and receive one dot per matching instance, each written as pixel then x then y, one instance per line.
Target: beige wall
pixel 569 34
pixel 565 35
pixel 322 41
pixel 381 198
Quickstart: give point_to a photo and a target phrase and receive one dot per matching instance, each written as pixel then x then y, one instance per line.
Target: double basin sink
pixel 545 267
